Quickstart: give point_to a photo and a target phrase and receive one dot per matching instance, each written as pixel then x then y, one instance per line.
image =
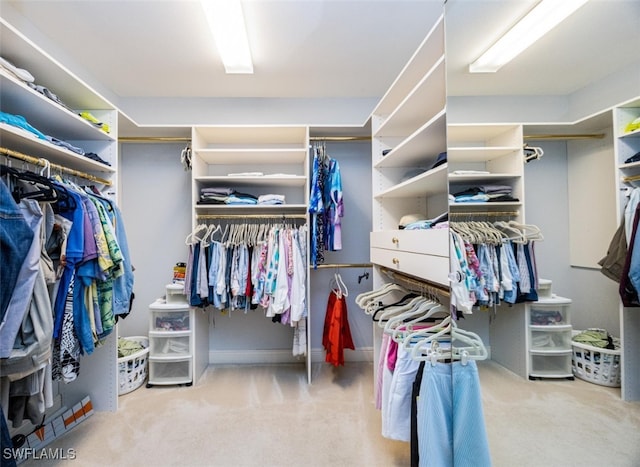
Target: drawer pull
pixel 395 240
pixel 395 261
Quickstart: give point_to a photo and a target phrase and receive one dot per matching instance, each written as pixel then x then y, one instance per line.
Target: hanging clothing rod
pixel 416 284
pixel 485 214
pixel 43 163
pixel 564 136
pixel 343 265
pixel 340 138
pixel 153 139
pixel 240 217
pixel 183 139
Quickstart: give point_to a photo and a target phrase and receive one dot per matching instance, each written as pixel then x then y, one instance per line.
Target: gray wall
pixel 595 300
pixel 156 206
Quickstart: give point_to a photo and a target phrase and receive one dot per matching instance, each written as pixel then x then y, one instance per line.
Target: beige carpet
pixel 270 416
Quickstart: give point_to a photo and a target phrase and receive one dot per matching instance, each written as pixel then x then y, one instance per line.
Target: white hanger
pixel 421 342
pixel 400 328
pixel 475 349
pixel 342 289
pixel 367 298
pixel 192 238
pixel 395 309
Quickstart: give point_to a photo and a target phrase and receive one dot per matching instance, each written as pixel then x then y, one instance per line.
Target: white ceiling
pixel 145 52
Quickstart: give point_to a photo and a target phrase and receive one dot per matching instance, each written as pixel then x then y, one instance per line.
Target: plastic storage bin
pixel 550 312
pixel 132 369
pixel 595 364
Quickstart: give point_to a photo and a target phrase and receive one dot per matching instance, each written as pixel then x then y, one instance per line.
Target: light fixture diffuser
pixel 227 25
pixel 540 20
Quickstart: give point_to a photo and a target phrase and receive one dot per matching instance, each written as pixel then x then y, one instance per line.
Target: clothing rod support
pixel 416 284
pixel 43 163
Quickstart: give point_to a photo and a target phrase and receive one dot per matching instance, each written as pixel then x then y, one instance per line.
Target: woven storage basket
pixel 595 364
pixel 132 369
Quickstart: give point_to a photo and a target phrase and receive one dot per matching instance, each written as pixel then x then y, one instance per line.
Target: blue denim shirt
pixel 123 285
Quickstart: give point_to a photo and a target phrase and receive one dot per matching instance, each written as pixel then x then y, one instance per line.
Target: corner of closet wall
pixel 85 150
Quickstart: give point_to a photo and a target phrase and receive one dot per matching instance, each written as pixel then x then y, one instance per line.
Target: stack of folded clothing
pixel 271 199
pixel 484 193
pixel 214 195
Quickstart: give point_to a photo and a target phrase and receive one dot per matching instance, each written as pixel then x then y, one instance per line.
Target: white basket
pixel 595 364
pixel 132 369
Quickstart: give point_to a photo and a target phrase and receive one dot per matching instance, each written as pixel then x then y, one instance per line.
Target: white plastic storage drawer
pixel 543 338
pixel 550 312
pixel 169 372
pixel 169 317
pixel 551 365
pixel 170 344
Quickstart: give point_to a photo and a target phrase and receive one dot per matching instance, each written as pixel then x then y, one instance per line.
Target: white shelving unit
pixel 98 376
pixel 627 144
pixel 226 156
pixel 409 126
pixel 280 154
pixel 496 149
pixel 549 338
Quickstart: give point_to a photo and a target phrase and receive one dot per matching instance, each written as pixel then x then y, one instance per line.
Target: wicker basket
pixel 132 369
pixel 595 364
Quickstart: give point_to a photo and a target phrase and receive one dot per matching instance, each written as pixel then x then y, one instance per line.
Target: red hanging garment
pixel 337 334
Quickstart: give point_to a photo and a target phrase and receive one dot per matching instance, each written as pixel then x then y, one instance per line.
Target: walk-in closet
pixel 371 244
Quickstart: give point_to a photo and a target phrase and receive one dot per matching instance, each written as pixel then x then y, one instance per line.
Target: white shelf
pixel 631 134
pixel 426 100
pixel 480 154
pixel 426 184
pixel 28 143
pixel 265 180
pixel 421 147
pixel 485 205
pixel 250 156
pixel 50 118
pixel 491 177
pixel 429 51
pixel 239 210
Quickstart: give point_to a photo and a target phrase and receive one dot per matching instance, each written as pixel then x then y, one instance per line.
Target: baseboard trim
pixel 277 356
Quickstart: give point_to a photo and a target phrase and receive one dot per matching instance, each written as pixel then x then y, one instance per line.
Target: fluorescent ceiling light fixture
pixel 540 20
pixel 226 22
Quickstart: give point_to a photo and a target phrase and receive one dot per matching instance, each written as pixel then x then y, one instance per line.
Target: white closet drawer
pixel 429 267
pixel 428 242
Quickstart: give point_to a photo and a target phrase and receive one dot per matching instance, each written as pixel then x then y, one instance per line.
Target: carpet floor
pixel 269 416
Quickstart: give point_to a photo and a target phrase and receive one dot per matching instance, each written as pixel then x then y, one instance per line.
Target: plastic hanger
pixel 340 287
